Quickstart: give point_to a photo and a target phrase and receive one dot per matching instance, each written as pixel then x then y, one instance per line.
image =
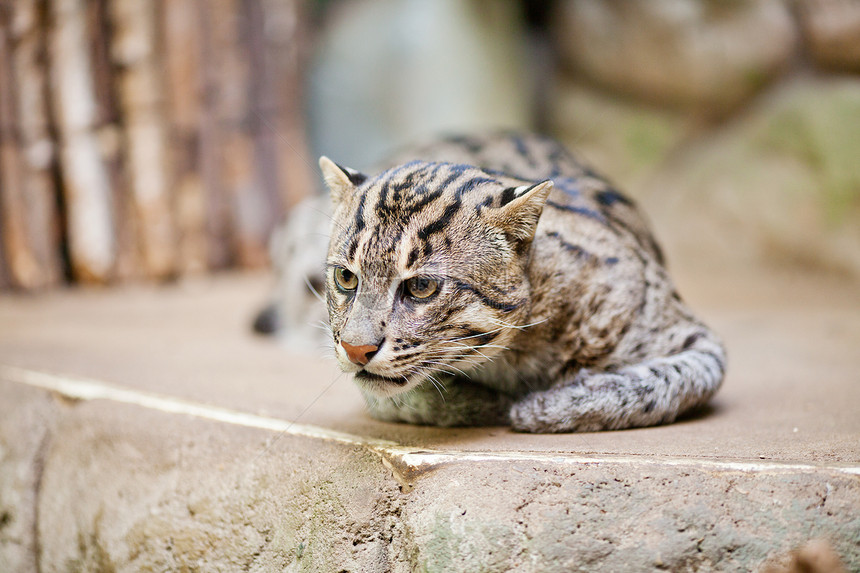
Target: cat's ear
pixel 341 181
pixel 520 209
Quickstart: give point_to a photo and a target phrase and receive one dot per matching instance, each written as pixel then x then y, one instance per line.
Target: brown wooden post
pixel 135 49
pixel 286 52
pixel 29 222
pixel 217 18
pixel 109 121
pixel 85 172
pixel 262 206
pixel 183 41
pixel 235 122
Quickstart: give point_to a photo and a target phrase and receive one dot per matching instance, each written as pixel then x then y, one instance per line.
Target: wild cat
pixel 296 310
pixel 497 280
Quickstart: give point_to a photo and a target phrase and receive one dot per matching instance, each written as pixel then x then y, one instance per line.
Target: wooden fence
pixel 146 139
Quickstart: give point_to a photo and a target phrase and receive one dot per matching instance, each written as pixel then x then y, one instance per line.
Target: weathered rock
pixel 782 183
pixel 26 423
pixel 625 141
pixel 624 518
pixel 707 54
pixel 126 488
pixel 832 32
pixel 389 73
pixel 146 494
pixel 150 450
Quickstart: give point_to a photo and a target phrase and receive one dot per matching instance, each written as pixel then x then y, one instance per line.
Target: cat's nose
pixel 359 354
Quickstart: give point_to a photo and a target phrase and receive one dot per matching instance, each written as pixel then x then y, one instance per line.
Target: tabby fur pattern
pixel 550 308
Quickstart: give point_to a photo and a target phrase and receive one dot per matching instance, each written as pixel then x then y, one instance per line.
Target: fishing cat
pixel 497 280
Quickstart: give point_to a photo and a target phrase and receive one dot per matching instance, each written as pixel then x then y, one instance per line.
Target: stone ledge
pixel 169 439
pixel 132 480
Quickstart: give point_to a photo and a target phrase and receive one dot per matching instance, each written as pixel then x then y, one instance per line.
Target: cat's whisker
pixel 457 356
pixel 328 216
pixel 475 350
pixel 427 373
pixel 322 325
pixel 438 385
pixel 516 326
pixel 488 345
pixel 318 296
pixel 441 366
pixel 476 335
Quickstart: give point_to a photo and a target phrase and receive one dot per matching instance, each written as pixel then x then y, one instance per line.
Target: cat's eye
pixel 421 287
pixel 345 279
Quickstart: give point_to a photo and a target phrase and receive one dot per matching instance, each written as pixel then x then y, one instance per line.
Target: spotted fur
pixel 295 311
pixel 553 311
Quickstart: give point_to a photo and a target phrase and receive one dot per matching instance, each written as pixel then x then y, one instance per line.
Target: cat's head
pixel 426 269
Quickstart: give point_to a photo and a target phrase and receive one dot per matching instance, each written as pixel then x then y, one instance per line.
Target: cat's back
pixel 583 206
pixel 526 156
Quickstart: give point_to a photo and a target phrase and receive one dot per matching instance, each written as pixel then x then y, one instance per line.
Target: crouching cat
pixel 497 280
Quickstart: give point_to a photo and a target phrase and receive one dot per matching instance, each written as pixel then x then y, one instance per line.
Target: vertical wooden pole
pixel 29 222
pixel 183 42
pixel 20 263
pixel 261 206
pixel 109 127
pixel 216 17
pixel 146 138
pixel 286 45
pixel 135 49
pixel 235 121
pixel 85 173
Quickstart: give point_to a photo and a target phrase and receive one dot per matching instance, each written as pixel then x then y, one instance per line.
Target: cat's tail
pixel 652 392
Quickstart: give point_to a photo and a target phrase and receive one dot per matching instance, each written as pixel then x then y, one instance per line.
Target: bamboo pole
pixel 10 163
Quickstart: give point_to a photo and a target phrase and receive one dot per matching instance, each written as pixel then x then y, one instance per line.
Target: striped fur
pixel 553 310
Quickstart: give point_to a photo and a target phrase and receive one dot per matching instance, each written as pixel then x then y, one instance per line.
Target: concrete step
pixel 144 429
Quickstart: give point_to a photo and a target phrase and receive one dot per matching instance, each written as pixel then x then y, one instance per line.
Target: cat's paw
pixel 527 415
pixel 542 412
pixel 584 406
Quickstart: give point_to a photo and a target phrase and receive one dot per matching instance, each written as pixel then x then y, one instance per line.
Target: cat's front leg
pixel 653 392
pixel 449 402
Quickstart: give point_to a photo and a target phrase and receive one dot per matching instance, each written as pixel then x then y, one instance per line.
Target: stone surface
pixel 782 183
pixel 26 421
pixel 616 136
pixel 832 32
pixel 710 55
pixel 388 73
pixel 154 491
pixel 144 429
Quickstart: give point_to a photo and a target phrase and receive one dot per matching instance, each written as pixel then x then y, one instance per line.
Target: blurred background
pixel 152 140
